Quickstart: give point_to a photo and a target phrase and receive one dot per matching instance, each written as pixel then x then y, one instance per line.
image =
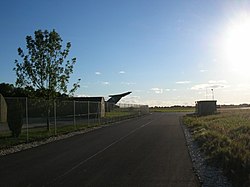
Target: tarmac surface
pixel 145 151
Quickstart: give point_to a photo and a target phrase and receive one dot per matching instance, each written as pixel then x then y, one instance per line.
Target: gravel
pixel 208 175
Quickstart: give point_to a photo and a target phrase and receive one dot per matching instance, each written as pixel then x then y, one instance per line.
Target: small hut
pixel 93 105
pixel 207 107
pixel 3 110
pixel 81 106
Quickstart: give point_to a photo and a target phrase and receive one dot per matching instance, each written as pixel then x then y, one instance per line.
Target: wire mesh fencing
pixel 37 118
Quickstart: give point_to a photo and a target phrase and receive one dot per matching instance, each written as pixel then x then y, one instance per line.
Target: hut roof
pixel 93 99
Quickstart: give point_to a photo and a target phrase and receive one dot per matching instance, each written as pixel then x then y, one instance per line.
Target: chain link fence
pixel 64 115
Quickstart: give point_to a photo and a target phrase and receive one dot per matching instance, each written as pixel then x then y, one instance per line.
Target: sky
pixel 166 52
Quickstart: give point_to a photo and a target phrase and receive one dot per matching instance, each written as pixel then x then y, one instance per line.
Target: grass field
pixel 41 133
pixel 225 139
pixel 172 109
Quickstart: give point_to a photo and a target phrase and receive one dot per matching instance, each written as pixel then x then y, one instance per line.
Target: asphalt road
pixel 147 151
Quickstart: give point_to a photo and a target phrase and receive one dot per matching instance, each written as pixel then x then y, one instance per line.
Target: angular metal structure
pixel 115 98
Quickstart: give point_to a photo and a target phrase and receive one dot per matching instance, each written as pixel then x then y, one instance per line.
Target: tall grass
pixel 225 139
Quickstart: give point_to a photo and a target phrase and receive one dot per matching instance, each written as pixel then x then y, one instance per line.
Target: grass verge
pixel 41 133
pixel 225 139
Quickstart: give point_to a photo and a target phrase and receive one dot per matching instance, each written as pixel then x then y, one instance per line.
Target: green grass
pixel 115 114
pixel 37 134
pixel 172 109
pixel 225 139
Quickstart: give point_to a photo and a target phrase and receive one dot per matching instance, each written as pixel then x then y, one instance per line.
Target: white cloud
pixel 158 102
pixel 121 72
pixel 130 100
pixel 157 90
pixel 98 73
pixel 200 87
pixel 128 83
pixel 182 82
pixel 212 84
pixel 217 86
pixel 106 83
pixel 217 82
pixel 203 70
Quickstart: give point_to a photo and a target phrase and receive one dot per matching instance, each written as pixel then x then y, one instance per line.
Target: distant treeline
pixel 234 106
pixel 170 107
pixel 218 106
pixel 9 90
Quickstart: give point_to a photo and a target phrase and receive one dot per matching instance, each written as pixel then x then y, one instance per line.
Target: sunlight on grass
pixel 225 138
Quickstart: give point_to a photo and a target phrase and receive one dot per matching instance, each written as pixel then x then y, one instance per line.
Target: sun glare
pixel 236 47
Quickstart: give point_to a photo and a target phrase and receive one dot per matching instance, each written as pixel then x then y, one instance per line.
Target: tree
pixel 7 90
pixel 45 67
pixel 15 114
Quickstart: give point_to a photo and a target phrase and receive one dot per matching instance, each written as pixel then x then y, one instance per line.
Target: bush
pixel 15 117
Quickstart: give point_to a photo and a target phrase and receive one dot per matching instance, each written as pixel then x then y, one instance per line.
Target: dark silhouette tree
pixel 44 67
pixel 7 90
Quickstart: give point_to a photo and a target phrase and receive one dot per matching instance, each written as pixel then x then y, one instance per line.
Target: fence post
pixel 88 113
pixel 75 114
pixel 55 115
pixel 99 113
pixel 27 121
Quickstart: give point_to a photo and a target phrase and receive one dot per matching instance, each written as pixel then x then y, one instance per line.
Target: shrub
pixel 15 117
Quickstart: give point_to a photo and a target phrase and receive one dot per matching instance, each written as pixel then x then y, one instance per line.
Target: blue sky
pixel 165 52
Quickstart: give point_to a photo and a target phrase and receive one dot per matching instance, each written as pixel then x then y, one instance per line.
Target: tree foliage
pixel 44 67
pixel 9 90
